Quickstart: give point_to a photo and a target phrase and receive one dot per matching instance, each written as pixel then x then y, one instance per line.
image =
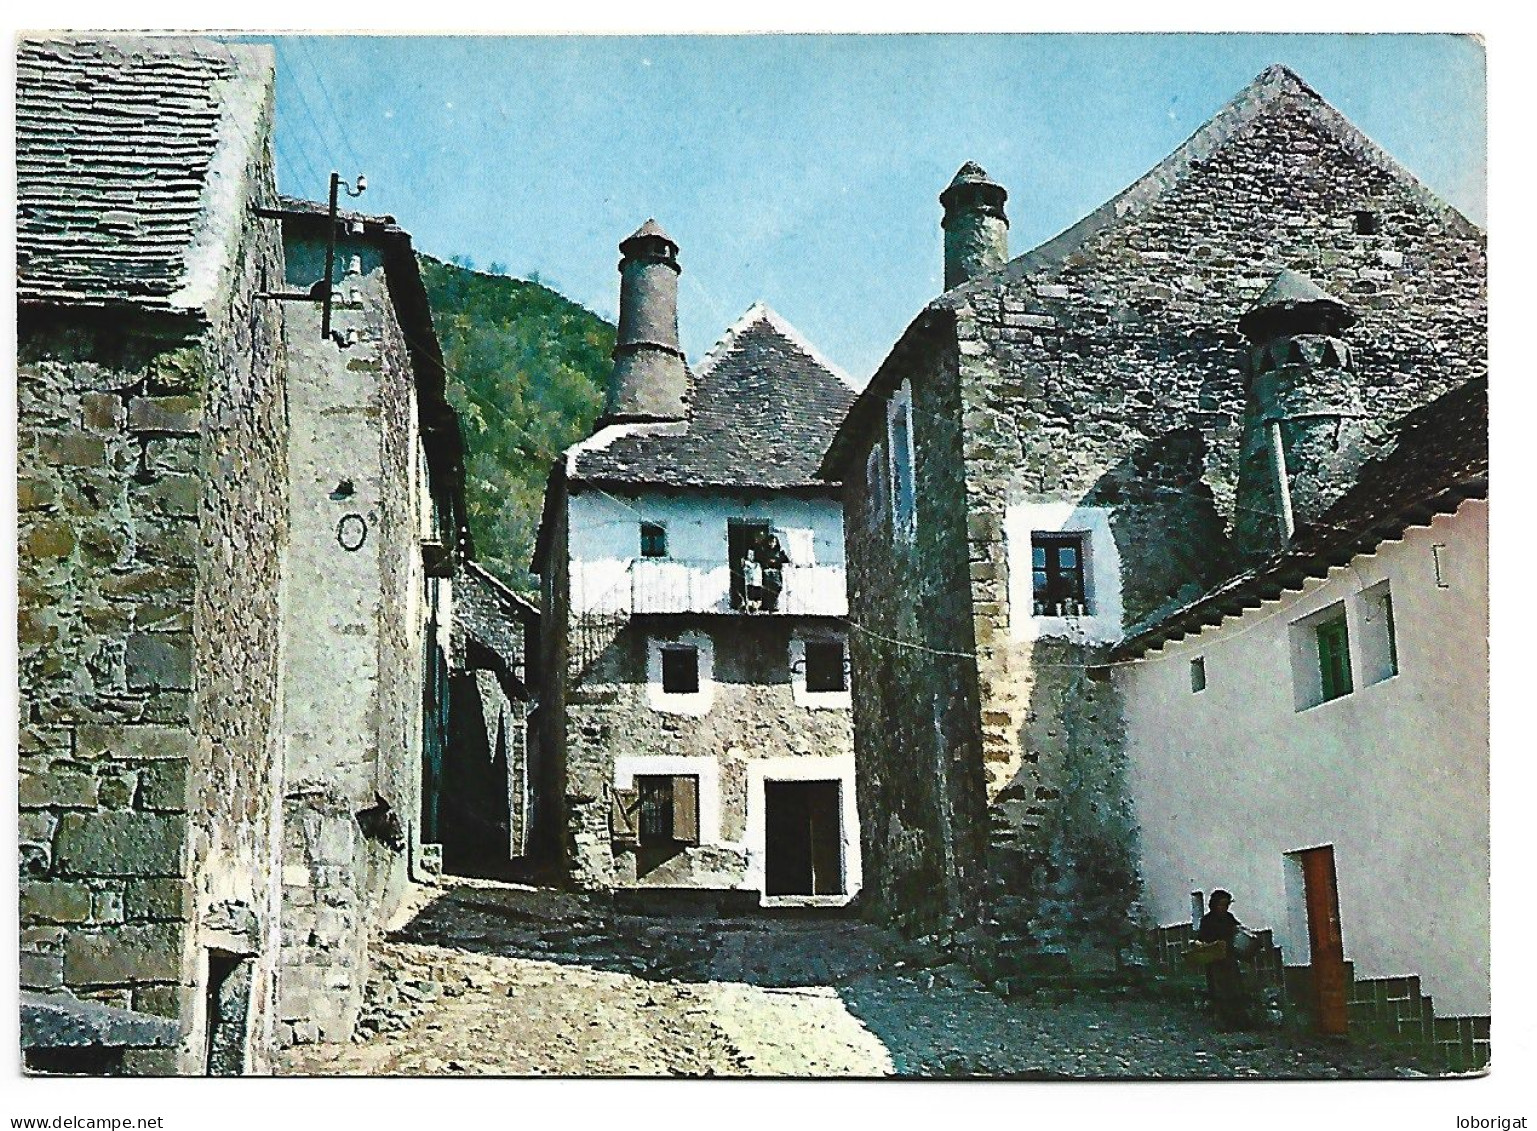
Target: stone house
pixel 695 704
pixel 152 488
pixel 490 763
pixel 1313 735
pixel 377 526
pixel 1068 445
pixel 235 546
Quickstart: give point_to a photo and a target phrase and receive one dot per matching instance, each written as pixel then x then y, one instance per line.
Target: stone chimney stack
pixel 649 381
pixel 1305 424
pixel 976 229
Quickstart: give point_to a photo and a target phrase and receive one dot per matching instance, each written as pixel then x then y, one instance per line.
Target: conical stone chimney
pixel 649 381
pixel 976 227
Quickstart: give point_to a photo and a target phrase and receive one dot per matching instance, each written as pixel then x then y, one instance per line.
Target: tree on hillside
pixel 526 373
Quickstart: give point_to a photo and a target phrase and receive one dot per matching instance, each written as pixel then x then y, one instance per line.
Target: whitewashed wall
pixel 605 541
pixel 1393 775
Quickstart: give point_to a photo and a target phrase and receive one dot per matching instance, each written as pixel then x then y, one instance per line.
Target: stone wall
pixel 353 745
pixel 1107 371
pixel 753 716
pixel 911 642
pixel 153 498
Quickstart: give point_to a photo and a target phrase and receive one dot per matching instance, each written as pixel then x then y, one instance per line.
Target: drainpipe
pixel 1282 486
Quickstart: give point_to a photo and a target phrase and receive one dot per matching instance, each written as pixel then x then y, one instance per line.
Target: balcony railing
pixel 667 585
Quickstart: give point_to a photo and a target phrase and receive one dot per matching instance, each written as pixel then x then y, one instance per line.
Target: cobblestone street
pixel 499 980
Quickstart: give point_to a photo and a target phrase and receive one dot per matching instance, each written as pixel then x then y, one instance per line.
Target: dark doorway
pixel 229 1008
pixel 802 837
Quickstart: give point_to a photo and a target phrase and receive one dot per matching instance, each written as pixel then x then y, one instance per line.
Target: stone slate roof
pixel 763 407
pixel 493 616
pixel 123 149
pixel 1270 88
pixel 1439 459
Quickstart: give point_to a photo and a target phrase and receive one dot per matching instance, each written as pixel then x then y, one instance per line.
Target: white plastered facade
pixel 1394 774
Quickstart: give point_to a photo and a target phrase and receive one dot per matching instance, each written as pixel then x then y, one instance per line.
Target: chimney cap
pixel 1293 303
pixel 650 230
pixel 972 188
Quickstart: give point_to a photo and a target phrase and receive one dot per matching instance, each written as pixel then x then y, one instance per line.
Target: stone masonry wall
pixel 754 715
pixel 910 639
pixel 354 743
pixel 1115 378
pixel 1106 370
pixel 152 494
pixel 237 774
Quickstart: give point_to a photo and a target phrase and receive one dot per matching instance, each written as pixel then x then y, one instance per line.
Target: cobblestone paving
pixel 497 980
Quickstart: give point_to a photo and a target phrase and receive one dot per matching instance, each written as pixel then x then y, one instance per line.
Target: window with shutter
pixel 666 809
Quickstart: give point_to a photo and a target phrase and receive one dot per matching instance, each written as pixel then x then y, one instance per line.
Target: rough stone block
pixel 33 494
pixel 56 902
pixel 151 1062
pixel 101 412
pixel 73 449
pixel 164 414
pixel 117 791
pixel 123 954
pixel 51 539
pixel 134 743
pixel 107 906
pixel 156 659
pixel 164 999
pixel 174 494
pixel 121 844
pixel 158 899
pixel 58 789
pixel 163 786
pixel 42 971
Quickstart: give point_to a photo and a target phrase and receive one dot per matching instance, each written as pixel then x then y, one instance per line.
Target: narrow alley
pixel 497 979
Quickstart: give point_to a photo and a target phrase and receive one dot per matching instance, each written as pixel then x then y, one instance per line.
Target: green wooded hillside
pixel 526 373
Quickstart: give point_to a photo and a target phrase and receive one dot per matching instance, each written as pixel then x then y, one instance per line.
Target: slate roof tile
pixel 762 409
pixel 114 143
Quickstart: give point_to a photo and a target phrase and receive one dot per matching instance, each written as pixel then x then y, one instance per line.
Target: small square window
pixel 824 666
pixel 1333 639
pixel 680 669
pixel 1198 674
pixel 653 540
pixel 1056 562
pixel 1367 223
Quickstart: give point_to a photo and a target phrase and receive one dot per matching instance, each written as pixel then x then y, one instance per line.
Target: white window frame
pixel 818 700
pixel 801 767
pixel 628 767
pixel 904 513
pixel 1101 572
pixel 694 703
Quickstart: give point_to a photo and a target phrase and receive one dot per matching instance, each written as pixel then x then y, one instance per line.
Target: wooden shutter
pixel 624 816
pixel 685 810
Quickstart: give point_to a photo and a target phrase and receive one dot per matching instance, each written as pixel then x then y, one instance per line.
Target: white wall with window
pixel 673 552
pixel 1064 572
pixel 1390 767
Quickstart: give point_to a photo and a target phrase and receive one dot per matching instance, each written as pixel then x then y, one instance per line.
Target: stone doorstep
pixel 60 1020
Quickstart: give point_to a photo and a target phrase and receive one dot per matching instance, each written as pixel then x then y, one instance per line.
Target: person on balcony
pixel 772 558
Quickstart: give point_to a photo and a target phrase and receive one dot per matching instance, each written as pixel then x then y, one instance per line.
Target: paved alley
pixel 491 979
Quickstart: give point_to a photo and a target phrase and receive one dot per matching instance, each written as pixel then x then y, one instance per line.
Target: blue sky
pixel 804 170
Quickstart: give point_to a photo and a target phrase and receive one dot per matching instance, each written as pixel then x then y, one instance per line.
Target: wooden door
pixel 1327 942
